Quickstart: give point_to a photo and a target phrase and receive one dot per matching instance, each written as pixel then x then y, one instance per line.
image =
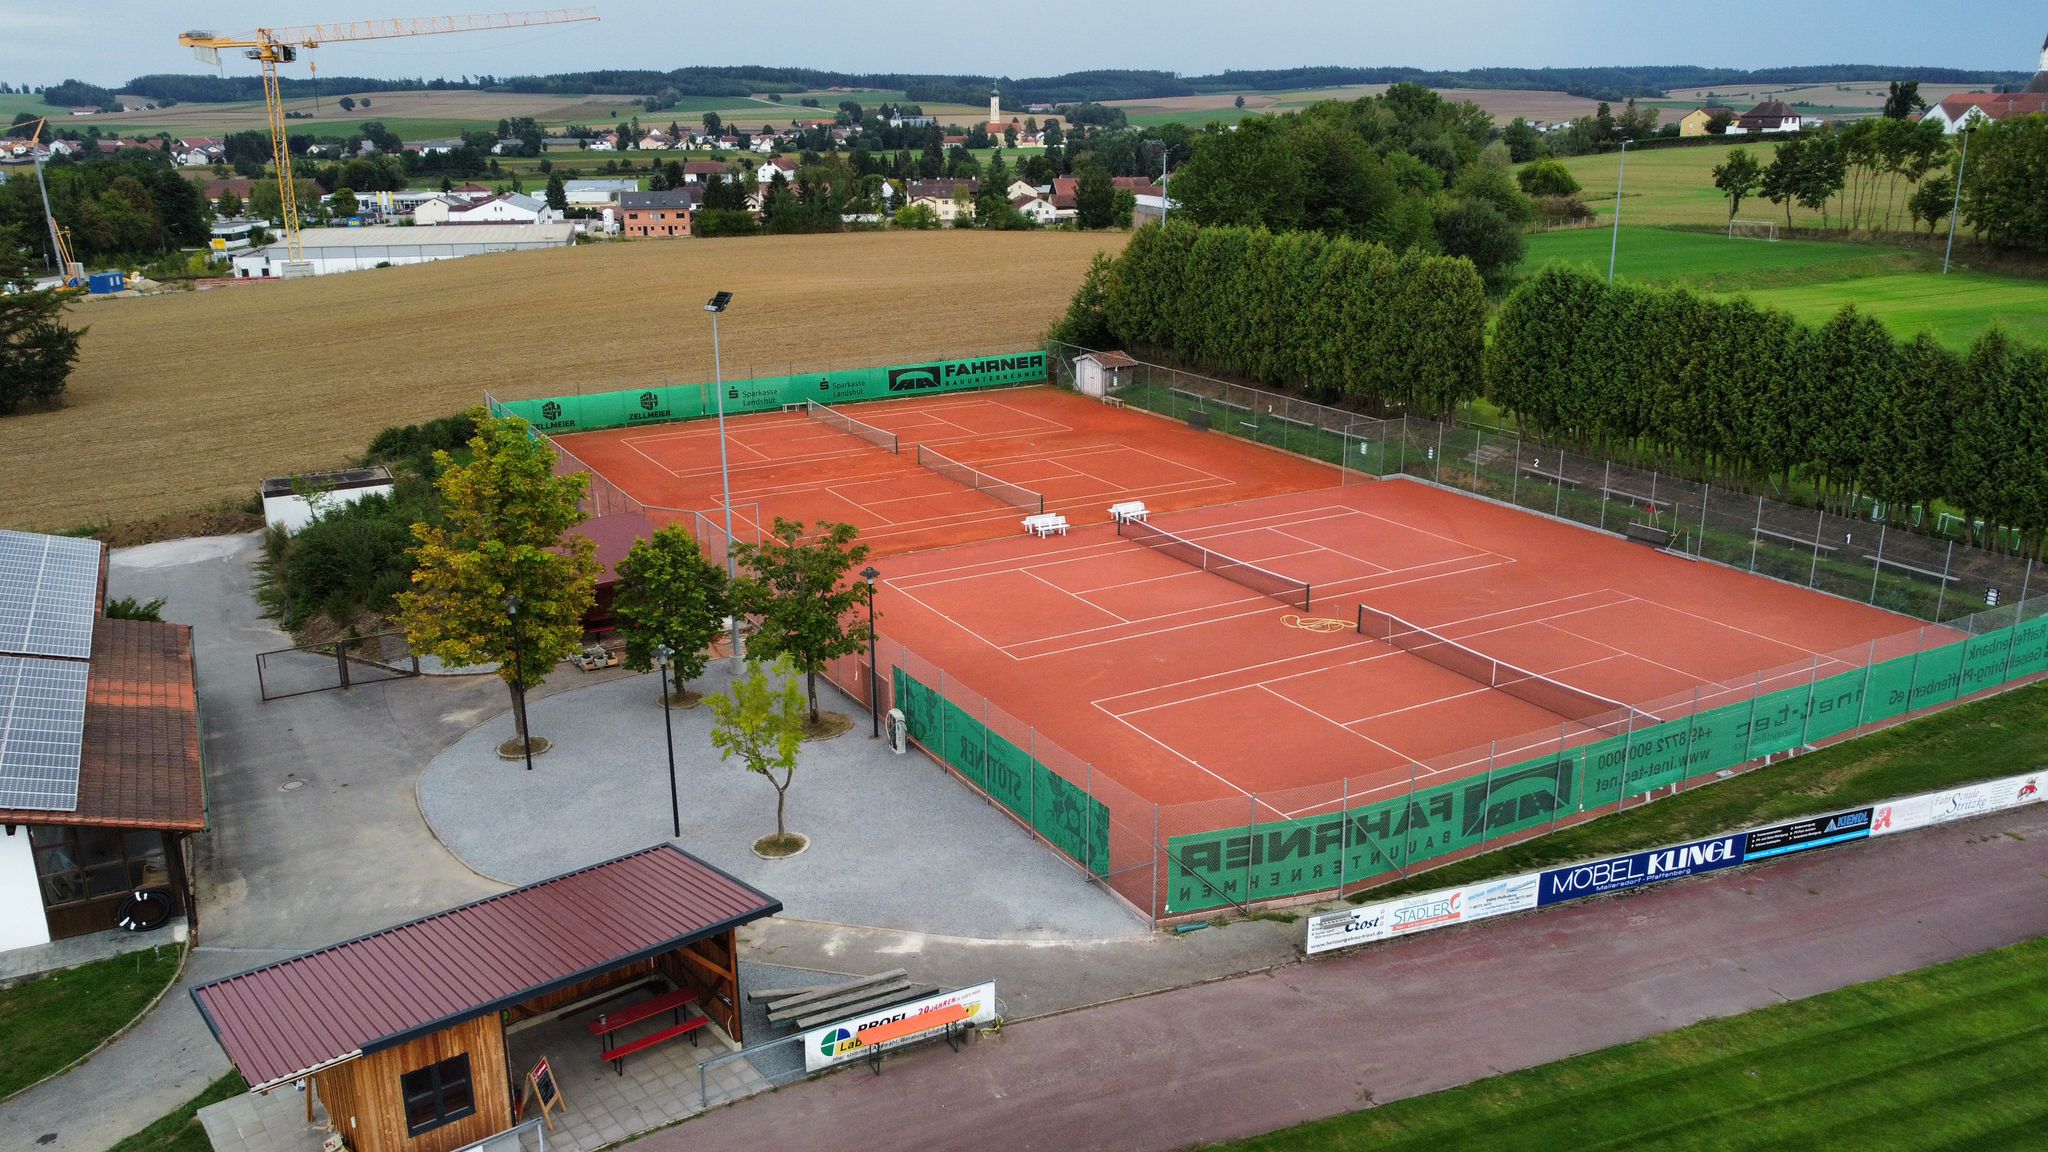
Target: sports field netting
pixel 1611 716
pixel 980 481
pixel 1285 589
pixel 884 440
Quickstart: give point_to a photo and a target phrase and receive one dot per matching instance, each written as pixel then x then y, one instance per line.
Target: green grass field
pixel 48 1022
pixel 1946 1057
pixel 1673 186
pixel 1812 279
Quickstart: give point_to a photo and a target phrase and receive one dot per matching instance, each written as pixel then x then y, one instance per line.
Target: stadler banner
pixel 1621 872
pixel 1334 930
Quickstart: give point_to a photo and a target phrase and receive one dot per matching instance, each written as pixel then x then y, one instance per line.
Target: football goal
pixel 1752 230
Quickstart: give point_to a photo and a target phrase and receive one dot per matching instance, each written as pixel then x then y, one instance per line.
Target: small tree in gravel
pixel 670 594
pixel 760 719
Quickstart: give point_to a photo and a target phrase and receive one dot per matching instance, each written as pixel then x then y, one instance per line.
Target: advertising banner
pixel 838 1043
pixel 1978 799
pixel 1621 872
pixel 1334 930
pixel 1412 914
pixel 1500 897
pixel 1800 835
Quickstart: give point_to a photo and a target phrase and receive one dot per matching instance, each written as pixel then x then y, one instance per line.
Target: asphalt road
pixel 1250 1054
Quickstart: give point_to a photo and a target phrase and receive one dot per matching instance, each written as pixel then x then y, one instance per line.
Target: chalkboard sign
pixel 540 1087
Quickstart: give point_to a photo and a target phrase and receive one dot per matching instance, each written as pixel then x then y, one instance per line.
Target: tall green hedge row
pixel 1336 318
pixel 1733 393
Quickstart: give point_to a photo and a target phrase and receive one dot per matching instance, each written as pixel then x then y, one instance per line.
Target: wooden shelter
pixel 402 1032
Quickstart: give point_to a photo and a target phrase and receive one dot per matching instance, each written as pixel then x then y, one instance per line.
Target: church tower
pixel 995 100
pixel 2040 81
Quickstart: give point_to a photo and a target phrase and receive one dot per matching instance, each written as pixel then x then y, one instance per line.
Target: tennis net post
pixel 881 438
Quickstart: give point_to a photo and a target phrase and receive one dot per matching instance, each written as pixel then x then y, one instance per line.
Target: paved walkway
pixel 1234 1058
pixel 895 841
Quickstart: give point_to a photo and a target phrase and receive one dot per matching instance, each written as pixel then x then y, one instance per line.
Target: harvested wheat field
pixel 185 400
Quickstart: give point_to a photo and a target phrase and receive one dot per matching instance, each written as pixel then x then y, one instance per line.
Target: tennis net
pixel 1593 711
pixel 886 441
pixel 981 481
pixel 1285 589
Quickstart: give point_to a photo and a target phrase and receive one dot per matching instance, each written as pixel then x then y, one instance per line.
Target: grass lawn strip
pixel 1939 1058
pixel 1984 740
pixel 181 1131
pixel 52 1020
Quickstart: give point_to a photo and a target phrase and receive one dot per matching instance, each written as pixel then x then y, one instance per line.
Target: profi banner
pixel 562 415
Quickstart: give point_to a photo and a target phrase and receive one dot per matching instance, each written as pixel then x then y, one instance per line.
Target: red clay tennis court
pixel 1075 453
pixel 1184 686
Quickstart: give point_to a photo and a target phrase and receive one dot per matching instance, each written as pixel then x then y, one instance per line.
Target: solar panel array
pixel 49 594
pixel 42 722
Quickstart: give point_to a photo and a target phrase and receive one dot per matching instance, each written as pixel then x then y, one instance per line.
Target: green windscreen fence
pixel 560 415
pixel 1056 808
pixel 1295 857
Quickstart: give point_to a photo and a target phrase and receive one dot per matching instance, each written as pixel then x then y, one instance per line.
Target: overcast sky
pixel 107 41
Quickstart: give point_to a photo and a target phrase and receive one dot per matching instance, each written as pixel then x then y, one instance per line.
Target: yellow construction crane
pixel 271 47
pixel 72 274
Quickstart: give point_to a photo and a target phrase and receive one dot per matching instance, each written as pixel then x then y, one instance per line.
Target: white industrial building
pixel 331 250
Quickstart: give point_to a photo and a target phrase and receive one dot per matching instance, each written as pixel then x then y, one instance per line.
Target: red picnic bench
pixel 673 1003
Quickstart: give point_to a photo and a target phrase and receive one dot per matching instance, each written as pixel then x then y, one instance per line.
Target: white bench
pixel 1045 524
pixel 1128 510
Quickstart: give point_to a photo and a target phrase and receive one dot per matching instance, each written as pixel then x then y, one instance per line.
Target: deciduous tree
pixel 801 592
pixel 760 719
pixel 505 539
pixel 1737 177
pixel 670 595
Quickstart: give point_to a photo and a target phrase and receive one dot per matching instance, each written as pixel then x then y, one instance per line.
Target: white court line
pixel 1071 596
pixel 1199 766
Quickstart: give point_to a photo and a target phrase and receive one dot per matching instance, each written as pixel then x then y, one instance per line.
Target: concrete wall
pixel 21 900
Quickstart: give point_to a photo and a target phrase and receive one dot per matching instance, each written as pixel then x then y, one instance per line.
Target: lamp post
pixel 662 655
pixel 519 680
pixel 874 674
pixel 717 304
pixel 1957 207
pixel 1614 242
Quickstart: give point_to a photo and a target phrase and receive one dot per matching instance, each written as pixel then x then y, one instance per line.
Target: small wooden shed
pixel 402 1032
pixel 1100 373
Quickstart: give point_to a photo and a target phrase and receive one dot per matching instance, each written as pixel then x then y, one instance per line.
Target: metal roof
pixel 42 723
pixel 287 1019
pixel 49 594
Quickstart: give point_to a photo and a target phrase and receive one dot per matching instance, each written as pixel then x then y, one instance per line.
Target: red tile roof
pixel 139 763
pixel 1995 105
pixel 287 1019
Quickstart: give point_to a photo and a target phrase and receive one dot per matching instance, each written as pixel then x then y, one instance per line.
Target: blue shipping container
pixel 102 283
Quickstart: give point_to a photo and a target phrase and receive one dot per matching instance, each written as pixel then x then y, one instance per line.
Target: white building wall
pixel 21 899
pixel 295 512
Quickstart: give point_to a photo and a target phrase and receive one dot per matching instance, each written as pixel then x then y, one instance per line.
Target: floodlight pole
pixel 869 574
pixel 718 304
pixel 662 654
pixel 1614 243
pixel 1957 206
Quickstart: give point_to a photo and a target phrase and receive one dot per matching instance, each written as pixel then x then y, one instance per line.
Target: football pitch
pixel 1812 279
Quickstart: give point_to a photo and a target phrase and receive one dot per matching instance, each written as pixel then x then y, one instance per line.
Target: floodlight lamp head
pixel 511 605
pixel 869 574
pixel 662 654
pixel 719 302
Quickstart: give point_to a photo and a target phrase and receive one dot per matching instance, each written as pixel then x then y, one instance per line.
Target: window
pixel 77 864
pixel 437 1094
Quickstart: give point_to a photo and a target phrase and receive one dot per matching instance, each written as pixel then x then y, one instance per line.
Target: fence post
pixel 1756 531
pixel 1820 520
pixel 1439 477
pixel 1486 809
pixel 1913 671
pixel 1403 466
pixel 1863 697
pixel 1155 909
pixel 1691 724
pixel 341 661
pixel 1408 802
pixel 1812 683
pixel 1756 689
pixel 1941 594
pixel 1706 494
pixel 1606 486
pixel 1653 497
pixel 1343 830
pixel 1877 566
pixel 1515 477
pixel 1557 489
